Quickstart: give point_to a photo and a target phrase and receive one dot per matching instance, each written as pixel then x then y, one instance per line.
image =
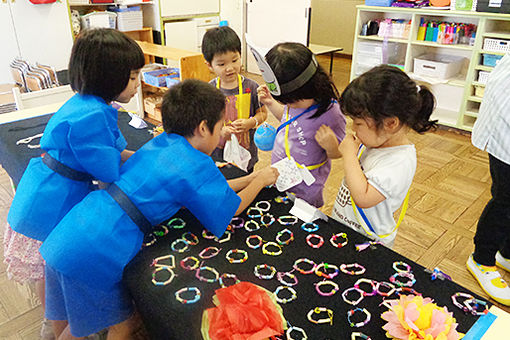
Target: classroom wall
pixel 333 23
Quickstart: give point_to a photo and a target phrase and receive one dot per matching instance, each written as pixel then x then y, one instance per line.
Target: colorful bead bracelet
pixel 329 283
pixel 237 222
pixel 160 230
pixel 176 223
pixel 281 234
pixel 149 240
pixel 226 276
pixel 333 239
pixel 167 281
pixel 389 286
pixel 267 217
pixel 282 199
pixel 318 310
pixel 293 294
pixel 248 226
pixel 397 277
pixel 184 245
pixel 190 238
pixel 194 290
pixel 254 237
pixel 314 245
pixel 397 264
pixel 307 261
pixel 272 253
pixel 252 212
pixel 353 289
pixel 224 238
pixel 325 273
pixel 213 252
pixel 351 312
pixel 358 335
pixel 470 303
pixel 207 234
pixel 344 268
pixel 209 269
pixel 310 227
pixel 287 220
pixel 156 263
pixel 258 268
pixel 282 275
pixel 193 266
pixel 263 206
pixel 230 256
pixel 406 290
pixel 293 329
pixel 372 283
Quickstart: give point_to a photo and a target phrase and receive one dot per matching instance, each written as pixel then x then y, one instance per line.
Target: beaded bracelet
pixel 160 233
pixel 312 236
pixel 230 256
pixel 460 305
pixel 254 237
pixel 272 253
pixel 247 226
pixel 195 265
pixel 208 235
pixel 358 335
pixel 326 282
pixel 281 277
pixel 310 227
pixel 183 242
pixel 326 266
pixel 259 267
pixel 474 304
pixel 263 206
pixel 281 233
pixel 194 290
pixel 395 279
pixel 237 222
pixel 372 283
pixel 333 239
pixel 406 290
pixel 252 212
pixel 190 238
pixel 225 276
pixel 167 281
pixel 287 220
pixel 359 324
pixel 344 268
pixel 149 240
pixel 176 223
pixel 391 288
pixel 353 289
pixel 265 217
pixel 407 268
pixel 303 271
pixel 318 310
pixel 214 251
pixel 156 263
pixel 224 238
pixel 293 295
pixel 210 269
pixel 302 333
pixel 282 199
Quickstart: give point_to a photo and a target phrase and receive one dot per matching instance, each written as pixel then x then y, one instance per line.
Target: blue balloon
pixel 264 137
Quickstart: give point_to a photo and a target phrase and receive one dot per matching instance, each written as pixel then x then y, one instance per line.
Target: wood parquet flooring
pixel 450 190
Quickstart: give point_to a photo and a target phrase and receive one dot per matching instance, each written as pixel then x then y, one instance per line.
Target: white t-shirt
pixel 390 171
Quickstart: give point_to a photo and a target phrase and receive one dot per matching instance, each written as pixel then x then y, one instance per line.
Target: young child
pixel 314 96
pixel 384 104
pixel 81 142
pixel 221 48
pixel 85 259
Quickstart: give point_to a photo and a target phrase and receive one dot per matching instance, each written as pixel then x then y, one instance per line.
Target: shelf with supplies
pixel 452 52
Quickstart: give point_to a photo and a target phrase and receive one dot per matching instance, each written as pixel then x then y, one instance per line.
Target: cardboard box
pixel 152 106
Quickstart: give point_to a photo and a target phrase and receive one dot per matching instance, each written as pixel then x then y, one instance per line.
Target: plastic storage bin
pixel 158 77
pixel 383 3
pixel 479 90
pixel 491 59
pixel 483 76
pixel 129 18
pixel 496 45
pixel 463 5
pixel 439 66
pixel 99 19
pixel 502 6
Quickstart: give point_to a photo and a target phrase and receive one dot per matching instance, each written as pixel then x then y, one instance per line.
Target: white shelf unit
pixel 457 106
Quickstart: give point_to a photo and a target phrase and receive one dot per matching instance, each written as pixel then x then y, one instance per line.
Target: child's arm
pixel 227 131
pixel 125 154
pixel 260 180
pixel 363 194
pixel 268 100
pixel 243 125
pixel 328 141
pixel 238 184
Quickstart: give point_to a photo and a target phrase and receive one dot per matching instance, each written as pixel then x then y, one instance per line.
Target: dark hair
pixel 386 91
pixel 220 40
pixel 190 102
pixel 288 60
pixel 101 62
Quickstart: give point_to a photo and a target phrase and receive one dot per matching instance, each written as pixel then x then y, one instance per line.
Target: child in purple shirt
pixel 315 96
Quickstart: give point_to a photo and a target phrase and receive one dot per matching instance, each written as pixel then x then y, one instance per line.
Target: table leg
pixel 331 63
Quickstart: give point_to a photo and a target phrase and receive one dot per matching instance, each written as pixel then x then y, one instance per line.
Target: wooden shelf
pixel 491 52
pixel 484 68
pixel 435 44
pixel 475 99
pixel 497 35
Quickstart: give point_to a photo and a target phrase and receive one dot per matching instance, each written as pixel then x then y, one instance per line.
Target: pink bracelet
pixel 372 283
pixel 312 236
pixel 326 282
pixel 344 268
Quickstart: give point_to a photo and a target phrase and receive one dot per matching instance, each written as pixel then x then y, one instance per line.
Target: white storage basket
pixel 496 45
pixel 437 65
pixel 483 76
pixel 99 19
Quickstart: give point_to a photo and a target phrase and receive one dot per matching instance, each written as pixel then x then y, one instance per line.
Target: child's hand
pixel 349 145
pixel 264 95
pixel 267 176
pixel 227 131
pixel 326 138
pixel 243 125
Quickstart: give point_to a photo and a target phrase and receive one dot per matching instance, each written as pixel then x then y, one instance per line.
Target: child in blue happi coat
pixel 87 251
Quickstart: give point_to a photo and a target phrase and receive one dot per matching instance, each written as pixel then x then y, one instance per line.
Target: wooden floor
pixel 450 190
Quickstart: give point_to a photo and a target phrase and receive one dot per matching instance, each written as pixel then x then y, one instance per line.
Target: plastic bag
pixel 235 153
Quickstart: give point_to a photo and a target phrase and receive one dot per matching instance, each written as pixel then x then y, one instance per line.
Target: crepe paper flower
pixel 414 317
pixel 244 311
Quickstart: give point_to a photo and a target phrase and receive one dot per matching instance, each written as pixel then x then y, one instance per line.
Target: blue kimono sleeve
pixel 97 147
pixel 213 202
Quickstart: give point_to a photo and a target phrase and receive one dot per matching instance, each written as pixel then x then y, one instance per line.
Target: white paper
pixel 137 122
pixel 306 212
pixel 290 175
pixel 102 21
pixel 307 175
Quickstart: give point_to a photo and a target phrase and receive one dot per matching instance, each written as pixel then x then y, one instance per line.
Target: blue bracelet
pixel 310 227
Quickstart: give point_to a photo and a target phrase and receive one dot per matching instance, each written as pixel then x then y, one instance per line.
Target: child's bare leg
pixel 66 334
pixel 122 331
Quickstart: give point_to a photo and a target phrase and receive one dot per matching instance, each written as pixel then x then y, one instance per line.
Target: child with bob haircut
pixel 221 48
pixel 384 104
pixel 314 96
pixel 85 259
pixel 81 142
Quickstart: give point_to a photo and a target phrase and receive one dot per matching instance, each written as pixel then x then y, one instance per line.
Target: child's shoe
pixel 502 262
pixel 490 280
